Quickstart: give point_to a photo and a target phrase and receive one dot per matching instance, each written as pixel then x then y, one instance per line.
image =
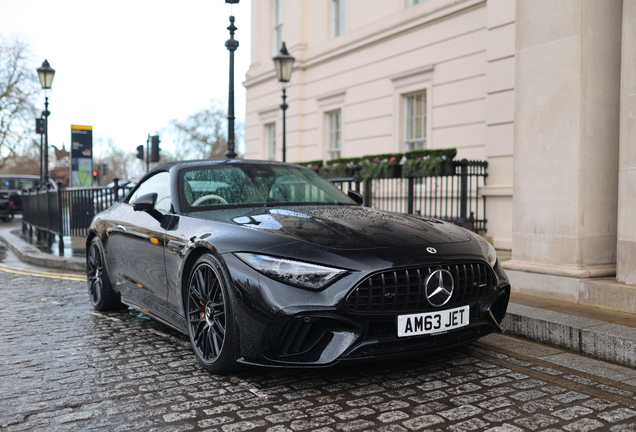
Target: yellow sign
pixel 81 127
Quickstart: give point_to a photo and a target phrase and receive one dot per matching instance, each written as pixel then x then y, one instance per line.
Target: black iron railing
pixel 453 198
pixel 65 212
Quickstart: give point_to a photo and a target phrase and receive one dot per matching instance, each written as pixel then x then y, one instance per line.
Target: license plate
pixel 432 322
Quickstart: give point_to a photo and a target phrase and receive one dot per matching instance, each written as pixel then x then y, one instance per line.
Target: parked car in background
pixel 7 210
pixel 268 263
pixel 12 185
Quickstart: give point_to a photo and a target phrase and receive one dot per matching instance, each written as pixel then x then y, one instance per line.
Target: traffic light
pixel 94 174
pixel 40 126
pixel 154 148
pixel 104 169
pixel 140 152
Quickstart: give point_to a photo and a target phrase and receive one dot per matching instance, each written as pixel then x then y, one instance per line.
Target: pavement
pixel 599 333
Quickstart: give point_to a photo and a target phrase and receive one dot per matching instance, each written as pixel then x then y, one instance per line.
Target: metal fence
pixel 65 212
pixel 453 198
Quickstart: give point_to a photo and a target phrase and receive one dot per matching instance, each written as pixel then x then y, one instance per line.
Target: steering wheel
pixel 209 197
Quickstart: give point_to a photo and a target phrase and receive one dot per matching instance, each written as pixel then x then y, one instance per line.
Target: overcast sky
pixel 129 67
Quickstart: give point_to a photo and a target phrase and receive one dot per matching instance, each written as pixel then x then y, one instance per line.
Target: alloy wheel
pixel 95 272
pixel 206 313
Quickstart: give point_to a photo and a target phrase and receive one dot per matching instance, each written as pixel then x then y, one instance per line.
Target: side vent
pixel 301 335
pixel 500 305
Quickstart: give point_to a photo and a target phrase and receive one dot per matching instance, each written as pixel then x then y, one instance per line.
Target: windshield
pixel 250 185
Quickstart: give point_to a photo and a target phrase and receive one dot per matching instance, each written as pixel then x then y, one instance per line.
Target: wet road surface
pixel 65 367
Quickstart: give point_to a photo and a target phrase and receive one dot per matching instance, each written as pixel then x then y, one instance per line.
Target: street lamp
pixel 46 74
pixel 231 44
pixel 283 63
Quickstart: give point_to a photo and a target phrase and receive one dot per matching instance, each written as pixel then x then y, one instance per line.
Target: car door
pixel 136 247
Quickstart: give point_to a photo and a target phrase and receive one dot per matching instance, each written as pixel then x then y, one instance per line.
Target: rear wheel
pixel 210 315
pixel 100 290
pixel 7 218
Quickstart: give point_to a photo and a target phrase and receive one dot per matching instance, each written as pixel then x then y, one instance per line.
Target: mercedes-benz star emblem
pixel 439 287
pixel 431 250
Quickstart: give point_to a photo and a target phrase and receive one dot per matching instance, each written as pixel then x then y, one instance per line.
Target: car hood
pixel 342 227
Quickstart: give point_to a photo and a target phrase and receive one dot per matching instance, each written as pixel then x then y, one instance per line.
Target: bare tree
pixel 121 164
pixel 24 161
pixel 18 91
pixel 203 135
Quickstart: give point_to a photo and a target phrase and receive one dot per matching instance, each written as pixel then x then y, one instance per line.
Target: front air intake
pixel 301 335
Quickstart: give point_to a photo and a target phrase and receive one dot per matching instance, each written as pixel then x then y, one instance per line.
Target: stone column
pixel 500 96
pixel 626 263
pixel 566 145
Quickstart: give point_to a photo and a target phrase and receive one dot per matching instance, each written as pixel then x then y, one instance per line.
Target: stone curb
pixel 610 342
pixel 28 253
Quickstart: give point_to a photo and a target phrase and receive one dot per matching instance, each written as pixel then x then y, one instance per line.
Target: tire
pixel 8 218
pixel 210 315
pixel 100 291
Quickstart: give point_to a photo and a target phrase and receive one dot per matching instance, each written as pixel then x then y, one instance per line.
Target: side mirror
pixel 356 196
pixel 145 202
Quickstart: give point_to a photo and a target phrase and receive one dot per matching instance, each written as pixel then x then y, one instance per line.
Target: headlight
pixel 296 273
pixel 486 248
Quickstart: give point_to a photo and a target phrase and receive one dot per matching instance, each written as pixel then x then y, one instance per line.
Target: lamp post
pixel 46 74
pixel 231 44
pixel 284 63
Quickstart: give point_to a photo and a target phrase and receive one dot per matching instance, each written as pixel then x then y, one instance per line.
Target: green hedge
pixel 374 166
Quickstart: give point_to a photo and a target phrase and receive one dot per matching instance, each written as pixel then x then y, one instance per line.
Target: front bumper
pixel 283 326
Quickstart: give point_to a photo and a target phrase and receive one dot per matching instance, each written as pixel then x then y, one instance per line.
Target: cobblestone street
pixel 64 367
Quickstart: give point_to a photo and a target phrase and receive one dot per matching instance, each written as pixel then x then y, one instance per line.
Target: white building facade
pixel 537 79
pixel 387 76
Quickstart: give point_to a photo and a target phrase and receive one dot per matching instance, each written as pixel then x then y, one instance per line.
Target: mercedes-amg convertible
pixel 269 264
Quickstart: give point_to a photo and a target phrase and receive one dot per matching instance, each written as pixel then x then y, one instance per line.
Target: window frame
pixel 279 23
pixel 338 17
pixel 270 141
pixel 406 83
pixel 334 135
pixel 411 142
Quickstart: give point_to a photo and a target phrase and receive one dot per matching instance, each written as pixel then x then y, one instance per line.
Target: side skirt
pixel 171 319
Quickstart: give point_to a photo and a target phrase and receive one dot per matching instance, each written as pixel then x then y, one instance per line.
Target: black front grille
pixel 404 291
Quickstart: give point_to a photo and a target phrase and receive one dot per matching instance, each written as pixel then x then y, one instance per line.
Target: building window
pixel 334 134
pixel 278 24
pixel 416 121
pixel 339 13
pixel 270 139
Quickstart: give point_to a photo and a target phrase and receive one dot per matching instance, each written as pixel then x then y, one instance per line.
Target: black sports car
pixel 269 264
